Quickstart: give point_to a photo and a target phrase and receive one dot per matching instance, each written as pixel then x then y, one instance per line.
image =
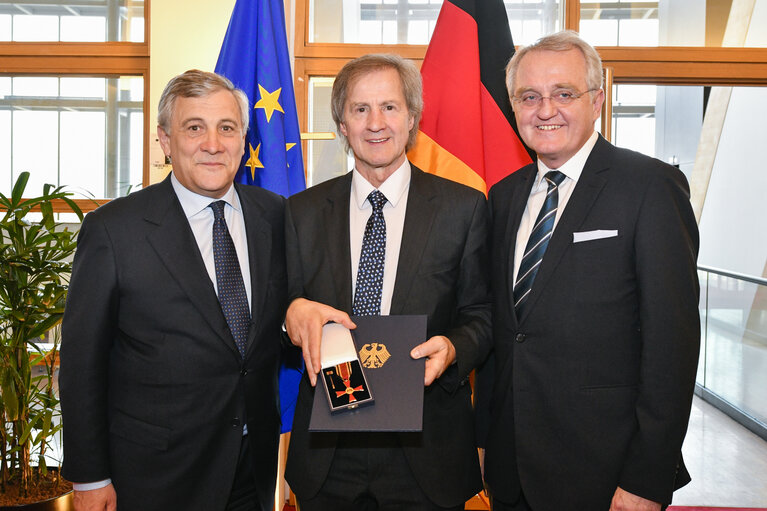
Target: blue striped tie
pixel 231 288
pixel 537 243
pixel 369 286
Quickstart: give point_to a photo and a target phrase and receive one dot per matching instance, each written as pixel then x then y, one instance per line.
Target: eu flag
pixel 254 56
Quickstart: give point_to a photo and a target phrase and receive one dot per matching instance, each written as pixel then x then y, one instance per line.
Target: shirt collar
pixel 572 168
pixel 193 203
pixel 393 188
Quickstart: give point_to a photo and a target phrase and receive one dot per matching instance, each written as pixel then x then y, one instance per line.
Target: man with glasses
pixel 585 402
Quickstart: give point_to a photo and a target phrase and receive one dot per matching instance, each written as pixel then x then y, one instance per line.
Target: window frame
pixel 657 65
pixel 107 59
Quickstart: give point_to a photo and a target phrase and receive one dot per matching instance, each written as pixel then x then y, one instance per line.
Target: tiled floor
pixel 727 462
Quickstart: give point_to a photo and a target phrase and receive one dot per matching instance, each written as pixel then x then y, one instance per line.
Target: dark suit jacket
pixel 441 273
pixel 593 385
pixel 154 392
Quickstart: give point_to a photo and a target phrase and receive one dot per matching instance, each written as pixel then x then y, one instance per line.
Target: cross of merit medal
pixel 344 370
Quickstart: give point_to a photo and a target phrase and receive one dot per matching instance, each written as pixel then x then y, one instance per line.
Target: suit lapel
pixel 173 241
pixel 259 237
pixel 422 205
pixel 584 195
pixel 336 218
pixel 517 203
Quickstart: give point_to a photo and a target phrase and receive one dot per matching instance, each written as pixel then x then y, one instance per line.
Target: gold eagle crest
pixel 374 355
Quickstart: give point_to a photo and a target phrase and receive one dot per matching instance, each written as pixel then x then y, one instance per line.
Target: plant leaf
pixel 18 188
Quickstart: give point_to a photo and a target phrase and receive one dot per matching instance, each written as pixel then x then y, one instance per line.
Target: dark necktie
pixel 367 292
pixel 231 288
pixel 537 243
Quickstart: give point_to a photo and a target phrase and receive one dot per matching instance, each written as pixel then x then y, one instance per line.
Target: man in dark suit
pixel 596 326
pixel 434 263
pixel 171 334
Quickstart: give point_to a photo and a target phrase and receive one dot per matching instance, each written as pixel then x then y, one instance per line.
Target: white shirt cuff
pixel 91 486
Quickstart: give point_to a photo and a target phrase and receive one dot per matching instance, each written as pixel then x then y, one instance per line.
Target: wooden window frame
pixel 109 59
pixel 663 65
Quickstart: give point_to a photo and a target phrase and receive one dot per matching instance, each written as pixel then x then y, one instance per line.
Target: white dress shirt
pixel 572 169
pixel 395 189
pixel 200 217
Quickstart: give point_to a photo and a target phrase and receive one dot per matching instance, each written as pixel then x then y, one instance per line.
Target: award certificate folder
pixel 383 346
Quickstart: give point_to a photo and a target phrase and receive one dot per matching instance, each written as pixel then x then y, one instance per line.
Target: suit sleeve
pixel 293 256
pixel 666 249
pixel 485 375
pixel 88 330
pixel 470 332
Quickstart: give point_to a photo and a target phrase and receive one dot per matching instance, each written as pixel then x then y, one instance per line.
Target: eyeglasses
pixel 562 97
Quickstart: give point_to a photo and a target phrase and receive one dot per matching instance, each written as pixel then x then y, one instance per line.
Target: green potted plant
pixel 35 263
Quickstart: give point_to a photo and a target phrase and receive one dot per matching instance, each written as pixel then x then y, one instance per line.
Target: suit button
pixel 235 422
pixel 244 372
pixel 520 338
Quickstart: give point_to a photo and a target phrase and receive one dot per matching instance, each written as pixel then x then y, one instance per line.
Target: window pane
pixel 136 150
pixel 660 121
pixel 412 21
pixel 88 136
pixel 75 20
pixel 5 86
pixel 6 181
pixel 35 86
pixel 81 149
pixel 83 87
pixel 5 27
pixel 34 148
pixel 669 23
pixel 736 343
pixel 35 28
pixel 325 158
pixel 83 28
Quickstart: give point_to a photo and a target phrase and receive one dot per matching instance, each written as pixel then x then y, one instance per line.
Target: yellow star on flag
pixel 253 161
pixel 288 146
pixel 270 101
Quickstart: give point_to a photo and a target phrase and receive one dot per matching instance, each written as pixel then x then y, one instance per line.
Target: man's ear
pixel 599 98
pixel 164 140
pixel 342 127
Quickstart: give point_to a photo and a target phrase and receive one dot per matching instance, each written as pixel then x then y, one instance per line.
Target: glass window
pixel 413 21
pixel 325 159
pixel 83 132
pixel 72 20
pixel 660 121
pixel 734 361
pixel 723 155
pixel 666 23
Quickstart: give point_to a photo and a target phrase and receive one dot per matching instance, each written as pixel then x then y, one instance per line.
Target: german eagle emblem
pixel 374 355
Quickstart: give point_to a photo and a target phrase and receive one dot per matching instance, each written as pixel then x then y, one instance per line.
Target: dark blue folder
pixel 383 345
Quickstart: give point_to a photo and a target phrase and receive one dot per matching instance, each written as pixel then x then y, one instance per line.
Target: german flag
pixel 467 132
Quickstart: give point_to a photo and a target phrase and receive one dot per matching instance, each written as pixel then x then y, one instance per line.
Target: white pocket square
pixel 593 235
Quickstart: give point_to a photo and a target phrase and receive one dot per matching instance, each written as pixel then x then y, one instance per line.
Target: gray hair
pixel 197 84
pixel 561 41
pixel 410 79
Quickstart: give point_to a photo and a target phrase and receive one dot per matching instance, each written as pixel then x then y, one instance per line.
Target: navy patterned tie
pixel 231 288
pixel 367 293
pixel 537 243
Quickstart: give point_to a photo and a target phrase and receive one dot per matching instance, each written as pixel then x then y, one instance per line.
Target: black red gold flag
pixel 467 132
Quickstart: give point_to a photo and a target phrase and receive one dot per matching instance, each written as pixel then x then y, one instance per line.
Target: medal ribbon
pixel 344 371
